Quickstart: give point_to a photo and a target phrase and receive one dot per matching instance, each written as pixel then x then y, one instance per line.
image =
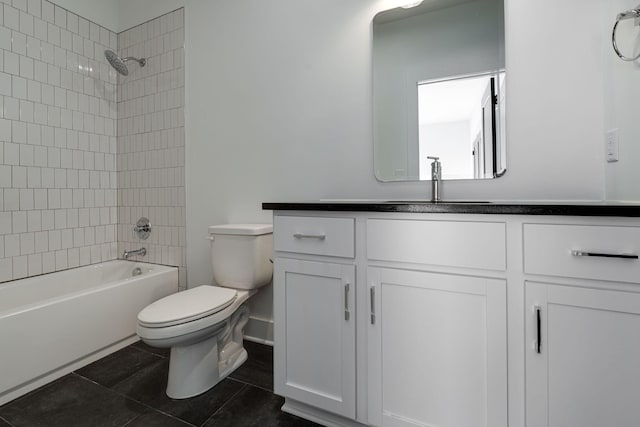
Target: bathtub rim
pixel 156 270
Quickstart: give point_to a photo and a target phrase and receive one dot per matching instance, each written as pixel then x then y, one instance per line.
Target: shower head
pixel 119 63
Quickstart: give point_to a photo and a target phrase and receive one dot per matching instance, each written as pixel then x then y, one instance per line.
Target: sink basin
pixel 442 202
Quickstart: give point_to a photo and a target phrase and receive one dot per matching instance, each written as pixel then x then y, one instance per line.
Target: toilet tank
pixel 240 255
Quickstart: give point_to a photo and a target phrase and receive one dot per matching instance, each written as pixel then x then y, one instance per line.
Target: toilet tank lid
pixel 241 229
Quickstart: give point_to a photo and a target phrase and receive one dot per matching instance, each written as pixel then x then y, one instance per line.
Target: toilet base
pixel 197 367
pixel 189 378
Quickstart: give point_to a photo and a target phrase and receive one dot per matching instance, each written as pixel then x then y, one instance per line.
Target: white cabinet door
pixel 314 351
pixel 583 357
pixel 437 350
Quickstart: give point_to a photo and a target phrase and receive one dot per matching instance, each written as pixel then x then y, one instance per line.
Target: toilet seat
pixel 186 306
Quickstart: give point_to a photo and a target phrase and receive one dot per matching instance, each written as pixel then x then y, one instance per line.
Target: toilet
pixel 204 325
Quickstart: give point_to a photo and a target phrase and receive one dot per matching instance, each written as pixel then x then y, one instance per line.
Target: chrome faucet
pixel 436 177
pixel 141 251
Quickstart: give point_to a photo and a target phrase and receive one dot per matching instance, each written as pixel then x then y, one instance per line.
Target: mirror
pixel 438 90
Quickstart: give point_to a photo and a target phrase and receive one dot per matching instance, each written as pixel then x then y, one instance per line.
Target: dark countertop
pixel 614 209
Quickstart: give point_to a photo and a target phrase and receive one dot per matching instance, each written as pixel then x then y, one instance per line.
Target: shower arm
pixel 141 61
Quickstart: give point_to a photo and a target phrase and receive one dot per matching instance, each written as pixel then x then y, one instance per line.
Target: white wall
pixel 622 88
pixel 282 113
pixel 555 99
pixel 278 107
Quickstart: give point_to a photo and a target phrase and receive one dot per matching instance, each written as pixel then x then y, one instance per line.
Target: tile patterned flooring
pixel 127 388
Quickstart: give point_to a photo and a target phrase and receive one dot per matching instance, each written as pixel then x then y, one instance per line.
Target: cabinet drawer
pixel 552 250
pixel 315 235
pixel 480 245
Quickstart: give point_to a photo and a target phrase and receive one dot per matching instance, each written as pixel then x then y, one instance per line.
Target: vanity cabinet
pixel 583 325
pixel 437 336
pixel 449 319
pixel 314 313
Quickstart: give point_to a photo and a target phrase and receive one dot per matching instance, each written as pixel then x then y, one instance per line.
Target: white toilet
pixel 204 326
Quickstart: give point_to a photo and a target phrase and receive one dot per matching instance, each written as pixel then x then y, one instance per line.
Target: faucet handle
pixel 436 176
pixel 142 229
pixel 436 168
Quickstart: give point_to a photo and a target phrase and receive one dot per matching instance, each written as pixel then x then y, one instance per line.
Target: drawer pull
pixel 309 236
pixel 604 255
pixel 372 292
pixel 347 315
pixel 538 344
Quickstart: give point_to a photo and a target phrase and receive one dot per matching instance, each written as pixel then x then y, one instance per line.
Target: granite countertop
pixel 620 209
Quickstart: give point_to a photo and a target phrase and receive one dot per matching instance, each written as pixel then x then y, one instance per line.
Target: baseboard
pixel 259 330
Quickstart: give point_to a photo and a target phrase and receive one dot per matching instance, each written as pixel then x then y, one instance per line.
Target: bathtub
pixel 53 324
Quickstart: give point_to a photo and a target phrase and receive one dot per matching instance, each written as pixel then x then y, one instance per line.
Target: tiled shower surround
pixel 57 139
pixel 151 140
pixel 61 154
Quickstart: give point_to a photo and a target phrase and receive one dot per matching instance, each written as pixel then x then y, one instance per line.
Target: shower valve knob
pixel 142 228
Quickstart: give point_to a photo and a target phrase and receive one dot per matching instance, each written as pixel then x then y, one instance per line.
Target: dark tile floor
pixel 127 388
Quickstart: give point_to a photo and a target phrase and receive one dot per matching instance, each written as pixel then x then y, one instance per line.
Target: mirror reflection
pixel 460 122
pixel 438 90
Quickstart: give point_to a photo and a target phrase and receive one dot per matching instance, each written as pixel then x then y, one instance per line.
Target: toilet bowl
pixel 204 325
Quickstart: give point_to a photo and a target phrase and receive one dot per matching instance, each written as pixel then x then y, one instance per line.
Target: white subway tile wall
pixel 150 152
pixel 58 142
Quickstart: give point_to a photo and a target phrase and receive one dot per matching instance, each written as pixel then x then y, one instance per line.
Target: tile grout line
pixel 244 386
pixel 160 412
pixel 131 399
pixel 251 384
pixel 146 350
pixel 102 385
pixel 6 421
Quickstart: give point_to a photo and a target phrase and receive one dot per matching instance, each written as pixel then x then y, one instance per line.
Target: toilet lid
pixel 186 306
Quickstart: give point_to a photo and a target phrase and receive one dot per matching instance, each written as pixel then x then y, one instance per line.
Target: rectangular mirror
pixel 438 90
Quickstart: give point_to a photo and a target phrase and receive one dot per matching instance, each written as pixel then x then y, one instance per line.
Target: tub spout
pixel 127 254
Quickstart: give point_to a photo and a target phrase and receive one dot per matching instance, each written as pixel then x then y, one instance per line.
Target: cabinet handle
pixel 372 298
pixel 309 236
pixel 538 344
pixel 604 255
pixel 347 315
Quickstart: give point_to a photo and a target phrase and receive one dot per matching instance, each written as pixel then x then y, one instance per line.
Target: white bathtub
pixel 53 324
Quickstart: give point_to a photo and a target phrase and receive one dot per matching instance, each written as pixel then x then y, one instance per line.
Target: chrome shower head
pixel 119 63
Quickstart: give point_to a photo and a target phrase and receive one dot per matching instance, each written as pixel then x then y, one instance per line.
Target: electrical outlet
pixel 611 145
